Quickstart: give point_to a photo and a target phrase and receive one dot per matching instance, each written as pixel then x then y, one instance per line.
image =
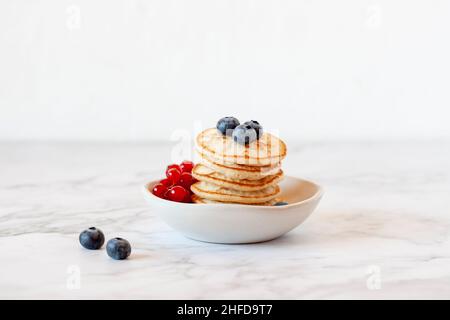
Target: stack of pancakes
pixel 233 173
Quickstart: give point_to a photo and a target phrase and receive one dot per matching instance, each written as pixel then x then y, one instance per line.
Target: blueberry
pixel 281 203
pixel 118 248
pixel 244 134
pixel 92 238
pixel 255 125
pixel 226 125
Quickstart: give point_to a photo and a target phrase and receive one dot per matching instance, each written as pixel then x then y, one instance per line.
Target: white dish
pixel 235 223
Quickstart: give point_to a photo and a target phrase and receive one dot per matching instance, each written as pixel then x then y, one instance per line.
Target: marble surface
pixel 381 231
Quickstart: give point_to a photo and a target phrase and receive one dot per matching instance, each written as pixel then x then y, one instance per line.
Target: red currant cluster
pixel 177 185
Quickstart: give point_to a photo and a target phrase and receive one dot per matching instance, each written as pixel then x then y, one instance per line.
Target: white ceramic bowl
pixel 235 223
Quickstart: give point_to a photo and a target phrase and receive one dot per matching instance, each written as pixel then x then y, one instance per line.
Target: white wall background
pixel 137 70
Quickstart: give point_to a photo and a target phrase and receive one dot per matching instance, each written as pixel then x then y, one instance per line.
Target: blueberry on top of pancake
pixel 244 134
pixel 226 125
pixel 256 126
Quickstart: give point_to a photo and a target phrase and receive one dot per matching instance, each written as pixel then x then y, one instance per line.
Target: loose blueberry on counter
pixel 118 248
pixel 92 238
pixel 227 125
pixel 281 203
pixel 244 134
pixel 255 125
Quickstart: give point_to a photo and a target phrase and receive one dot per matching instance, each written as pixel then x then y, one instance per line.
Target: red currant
pixel 159 190
pixel 173 166
pixel 186 166
pixel 166 182
pixel 173 175
pixel 186 180
pixel 177 193
pixel 188 198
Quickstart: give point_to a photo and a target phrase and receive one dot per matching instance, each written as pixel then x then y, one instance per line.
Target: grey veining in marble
pixel 381 231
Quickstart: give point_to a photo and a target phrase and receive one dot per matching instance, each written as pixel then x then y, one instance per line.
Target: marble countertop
pixel 381 231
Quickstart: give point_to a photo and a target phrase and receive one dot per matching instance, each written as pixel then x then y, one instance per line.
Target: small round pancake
pixel 214 192
pixel 203 173
pixel 239 172
pixel 267 150
pixel 197 199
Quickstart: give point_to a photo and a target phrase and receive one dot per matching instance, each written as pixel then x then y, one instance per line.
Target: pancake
pixel 214 192
pixel 197 199
pixel 238 171
pixel 268 150
pixel 203 173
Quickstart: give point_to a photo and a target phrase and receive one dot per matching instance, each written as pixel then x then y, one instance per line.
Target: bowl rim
pixel 317 195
